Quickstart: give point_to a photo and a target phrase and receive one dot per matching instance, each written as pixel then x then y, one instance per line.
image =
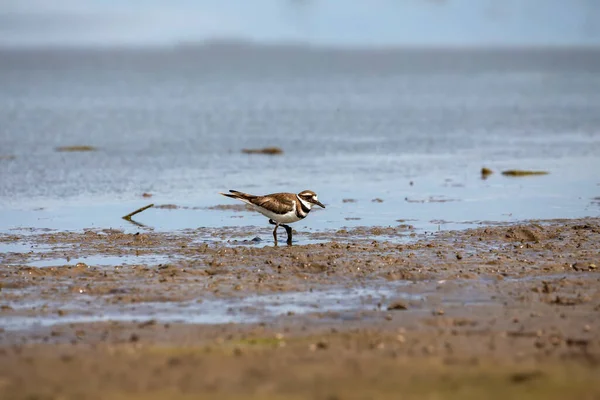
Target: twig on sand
pixel 139 210
pixel 267 150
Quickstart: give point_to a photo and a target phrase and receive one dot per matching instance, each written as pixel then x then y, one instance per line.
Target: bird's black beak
pixel 319 203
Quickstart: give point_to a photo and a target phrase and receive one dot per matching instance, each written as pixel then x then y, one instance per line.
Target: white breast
pixel 287 218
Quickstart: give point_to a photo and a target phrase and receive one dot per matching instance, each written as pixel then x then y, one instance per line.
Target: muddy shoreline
pixel 358 313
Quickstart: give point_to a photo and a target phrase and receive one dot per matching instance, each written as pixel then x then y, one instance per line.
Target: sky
pixel 348 23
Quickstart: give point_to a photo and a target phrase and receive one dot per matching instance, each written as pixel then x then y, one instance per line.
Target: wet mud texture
pixel 494 312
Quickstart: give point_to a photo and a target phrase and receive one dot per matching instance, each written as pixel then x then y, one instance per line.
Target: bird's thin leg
pixel 274 230
pixel 288 229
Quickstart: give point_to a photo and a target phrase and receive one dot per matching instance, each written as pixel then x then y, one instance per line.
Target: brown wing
pixel 279 203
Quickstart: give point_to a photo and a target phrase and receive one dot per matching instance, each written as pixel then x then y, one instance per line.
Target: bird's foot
pixel 288 229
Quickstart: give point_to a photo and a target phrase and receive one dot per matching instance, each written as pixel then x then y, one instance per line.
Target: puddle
pixel 251 309
pixel 45 255
pixel 213 311
pixel 553 277
pixel 20 247
pixel 299 239
pixel 102 260
pixel 33 312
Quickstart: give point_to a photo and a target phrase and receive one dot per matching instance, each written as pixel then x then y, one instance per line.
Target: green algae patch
pixel 75 148
pixel 522 172
pixel 485 172
pixel 259 341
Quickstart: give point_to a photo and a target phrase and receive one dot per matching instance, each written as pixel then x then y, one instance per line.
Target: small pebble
pixel 318 346
pixel 555 340
pixel 397 305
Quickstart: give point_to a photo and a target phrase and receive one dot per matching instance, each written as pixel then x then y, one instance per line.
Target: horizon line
pixel 243 43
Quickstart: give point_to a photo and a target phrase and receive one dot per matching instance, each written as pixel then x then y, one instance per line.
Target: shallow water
pixel 249 309
pixel 197 283
pixel 412 128
pixel 102 260
pixel 336 302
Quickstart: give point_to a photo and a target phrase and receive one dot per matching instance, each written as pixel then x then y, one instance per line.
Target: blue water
pixel 353 125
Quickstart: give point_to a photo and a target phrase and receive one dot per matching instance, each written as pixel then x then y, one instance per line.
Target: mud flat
pixel 492 312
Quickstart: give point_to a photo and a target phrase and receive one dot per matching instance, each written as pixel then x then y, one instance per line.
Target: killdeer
pixel 280 208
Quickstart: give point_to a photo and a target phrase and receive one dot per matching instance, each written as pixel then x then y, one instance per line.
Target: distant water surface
pixel 410 127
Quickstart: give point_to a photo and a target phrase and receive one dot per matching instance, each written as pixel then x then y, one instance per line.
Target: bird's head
pixel 311 198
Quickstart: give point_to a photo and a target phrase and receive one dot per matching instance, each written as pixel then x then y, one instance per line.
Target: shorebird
pixel 280 208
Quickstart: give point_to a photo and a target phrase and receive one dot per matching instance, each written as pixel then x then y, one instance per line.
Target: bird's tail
pixel 234 194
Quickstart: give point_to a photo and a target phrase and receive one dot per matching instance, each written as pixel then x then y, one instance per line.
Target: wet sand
pixel 495 312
